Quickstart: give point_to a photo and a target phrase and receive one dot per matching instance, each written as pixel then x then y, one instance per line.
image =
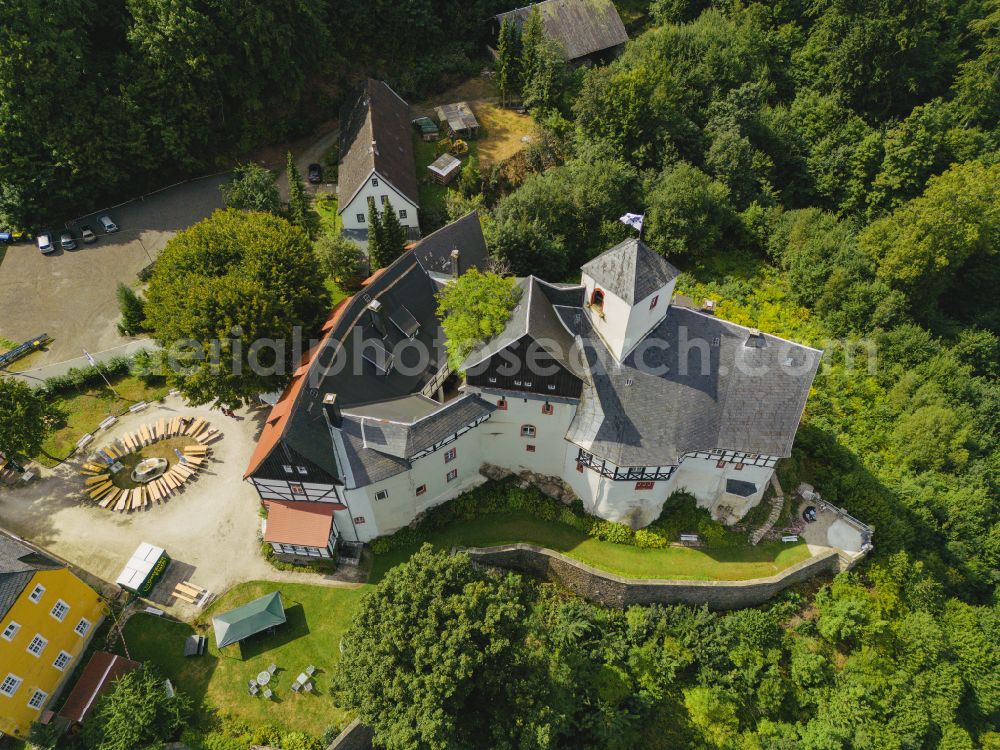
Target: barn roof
pixel 376 136
pixel 583 27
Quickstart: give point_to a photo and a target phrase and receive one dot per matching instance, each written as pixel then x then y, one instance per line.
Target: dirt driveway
pixel 71 295
pixel 209 530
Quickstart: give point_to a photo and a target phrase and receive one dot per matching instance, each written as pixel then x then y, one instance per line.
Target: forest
pixel 828 171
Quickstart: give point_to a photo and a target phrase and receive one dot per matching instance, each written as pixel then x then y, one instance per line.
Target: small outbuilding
pixel 97 678
pixel 459 119
pixel 146 566
pixel 249 619
pixel 445 168
pixel 589 31
pixel 427 128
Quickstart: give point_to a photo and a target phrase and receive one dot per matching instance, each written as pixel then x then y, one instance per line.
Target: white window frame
pixel 528 431
pixel 63 657
pixel 374 181
pixel 37 639
pixel 11 630
pixel 360 218
pixel 288 468
pixel 10 684
pixel 37 699
pixel 36 593
pixel 301 469
pixel 402 213
pixel 86 629
pixel 59 603
pixel 450 455
pixel 382 494
pixel 452 475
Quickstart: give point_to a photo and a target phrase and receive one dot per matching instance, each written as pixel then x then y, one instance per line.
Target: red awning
pixel 302 523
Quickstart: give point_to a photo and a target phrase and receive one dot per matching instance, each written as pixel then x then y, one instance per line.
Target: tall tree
pixel 252 189
pixel 26 416
pixel 376 237
pixel 688 214
pixel 300 211
pixel 508 60
pixel 228 299
pixel 474 308
pixel 393 235
pixel 342 260
pixel 132 309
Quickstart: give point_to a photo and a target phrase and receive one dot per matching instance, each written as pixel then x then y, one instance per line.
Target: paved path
pixel 211 530
pixel 39 375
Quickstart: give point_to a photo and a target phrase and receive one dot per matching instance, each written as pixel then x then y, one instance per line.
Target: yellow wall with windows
pixel 36 618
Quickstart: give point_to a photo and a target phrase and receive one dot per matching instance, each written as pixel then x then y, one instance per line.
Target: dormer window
pixel 652 302
pixel 597 300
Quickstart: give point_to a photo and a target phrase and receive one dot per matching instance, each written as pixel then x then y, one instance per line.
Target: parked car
pixel 315 173
pixel 88 234
pixel 44 240
pixel 108 225
pixel 66 241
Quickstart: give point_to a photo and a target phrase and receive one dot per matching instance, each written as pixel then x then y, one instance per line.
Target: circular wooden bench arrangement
pixel 100 486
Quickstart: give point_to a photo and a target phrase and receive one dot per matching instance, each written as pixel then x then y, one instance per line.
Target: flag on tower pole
pixel 634 221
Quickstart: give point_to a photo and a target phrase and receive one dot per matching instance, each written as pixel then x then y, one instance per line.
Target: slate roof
pixel 535 316
pixel 631 271
pixel 723 396
pixel 298 421
pixel 18 564
pixel 581 26
pixel 381 116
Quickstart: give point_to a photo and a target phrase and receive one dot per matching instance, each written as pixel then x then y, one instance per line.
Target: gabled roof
pixel 433 252
pixel 726 395
pixel 631 271
pixel 18 564
pixel 303 523
pixel 253 617
pixel 376 136
pixel 581 26
pixel 535 316
pixel 97 678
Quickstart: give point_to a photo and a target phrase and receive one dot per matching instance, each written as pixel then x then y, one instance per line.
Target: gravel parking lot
pixel 71 294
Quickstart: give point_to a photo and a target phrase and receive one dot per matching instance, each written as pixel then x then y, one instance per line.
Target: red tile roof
pixel 305 524
pixel 97 677
pixel 274 427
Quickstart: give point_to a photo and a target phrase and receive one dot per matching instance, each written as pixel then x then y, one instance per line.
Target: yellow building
pixel 47 618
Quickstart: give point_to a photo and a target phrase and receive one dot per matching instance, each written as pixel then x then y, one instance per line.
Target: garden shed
pixel 427 128
pixel 445 168
pixel 459 119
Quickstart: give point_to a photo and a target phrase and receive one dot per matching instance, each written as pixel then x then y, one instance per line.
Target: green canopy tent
pixel 244 621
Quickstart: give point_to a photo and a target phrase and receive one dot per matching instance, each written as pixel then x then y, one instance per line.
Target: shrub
pixel 82 377
pixel 650 539
pixel 609 531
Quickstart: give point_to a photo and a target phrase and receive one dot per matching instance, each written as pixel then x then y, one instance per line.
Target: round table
pixel 263 678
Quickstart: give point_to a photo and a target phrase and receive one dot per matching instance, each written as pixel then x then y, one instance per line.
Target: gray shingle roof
pixel 379 115
pixel 581 26
pixel 723 395
pixel 379 448
pixel 433 252
pixel 18 563
pixel 631 271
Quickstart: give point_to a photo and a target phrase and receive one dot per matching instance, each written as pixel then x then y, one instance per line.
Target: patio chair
pixel 308 687
pixel 267 693
pixel 253 690
pixel 310 670
pixel 296 687
pixel 272 669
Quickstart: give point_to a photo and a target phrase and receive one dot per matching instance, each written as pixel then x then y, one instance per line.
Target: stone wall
pixel 355 737
pixel 616 591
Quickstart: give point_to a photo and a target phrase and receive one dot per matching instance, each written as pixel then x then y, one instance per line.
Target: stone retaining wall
pixel 616 591
pixel 356 736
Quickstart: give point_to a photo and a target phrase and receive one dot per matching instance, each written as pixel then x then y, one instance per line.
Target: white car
pixel 44 240
pixel 109 226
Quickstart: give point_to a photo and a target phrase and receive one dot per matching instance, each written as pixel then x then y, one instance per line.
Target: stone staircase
pixel 777 503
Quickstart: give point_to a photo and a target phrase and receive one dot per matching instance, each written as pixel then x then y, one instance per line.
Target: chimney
pixel 454 262
pixel 754 339
pixel 374 148
pixel 331 409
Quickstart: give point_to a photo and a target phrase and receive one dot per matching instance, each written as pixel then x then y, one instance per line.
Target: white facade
pixel 526 433
pixel 355 213
pixel 621 325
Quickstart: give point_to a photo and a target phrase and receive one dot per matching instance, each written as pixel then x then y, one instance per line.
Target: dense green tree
pixel 508 60
pixel 977 84
pixel 300 210
pixel 137 712
pixel 227 297
pixel 27 417
pixel 528 249
pixel 132 309
pixel 688 213
pixel 434 658
pixel 376 238
pixel 474 308
pixel 342 259
pixel 252 189
pixel 393 239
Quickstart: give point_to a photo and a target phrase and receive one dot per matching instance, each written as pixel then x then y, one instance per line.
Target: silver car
pixel 66 241
pixel 44 240
pixel 109 226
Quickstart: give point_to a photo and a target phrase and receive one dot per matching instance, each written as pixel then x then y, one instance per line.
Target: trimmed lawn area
pixel 683 563
pixel 317 618
pixel 329 219
pixel 86 408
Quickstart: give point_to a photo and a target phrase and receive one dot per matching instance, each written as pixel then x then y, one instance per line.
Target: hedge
pixel 81 377
pixel 680 515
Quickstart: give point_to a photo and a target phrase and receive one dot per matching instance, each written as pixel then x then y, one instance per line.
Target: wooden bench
pixel 790 538
pixel 192 460
pixel 122 504
pixel 98 479
pixel 97 495
pixel 89 466
pixel 161 428
pixel 690 538
pixel 144 434
pixel 184 471
pixel 96 492
pixel 180 594
pixel 110 497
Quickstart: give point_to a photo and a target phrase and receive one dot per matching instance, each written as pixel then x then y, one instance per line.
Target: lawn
pixel 683 563
pixel 329 219
pixel 317 618
pixel 88 407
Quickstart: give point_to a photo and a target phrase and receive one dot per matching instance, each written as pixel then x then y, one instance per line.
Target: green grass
pixel 87 408
pixel 317 618
pixel 432 193
pixel 329 219
pixel 684 563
